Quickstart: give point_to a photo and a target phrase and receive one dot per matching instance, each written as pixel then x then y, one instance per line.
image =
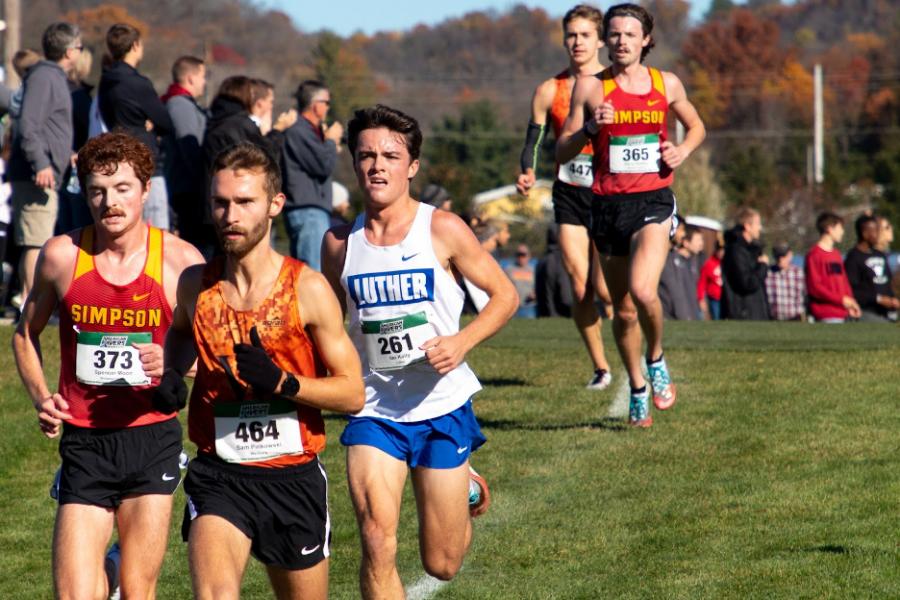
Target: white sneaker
pixel 600 381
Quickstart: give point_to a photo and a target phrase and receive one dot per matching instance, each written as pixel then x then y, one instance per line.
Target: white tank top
pixel 399 297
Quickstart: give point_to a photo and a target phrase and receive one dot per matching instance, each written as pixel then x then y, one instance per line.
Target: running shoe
pixel 479 496
pixel 600 381
pixel 663 388
pixel 111 566
pixel 639 409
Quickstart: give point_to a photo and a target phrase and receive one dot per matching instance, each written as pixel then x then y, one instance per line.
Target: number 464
pixel 256 432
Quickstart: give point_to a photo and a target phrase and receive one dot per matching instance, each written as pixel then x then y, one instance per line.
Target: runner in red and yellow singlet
pixel 115 284
pixel 264 328
pixel 624 111
pixel 583 33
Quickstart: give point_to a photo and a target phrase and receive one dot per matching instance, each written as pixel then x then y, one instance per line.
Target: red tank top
pixel 559 111
pixel 637 116
pixel 96 307
pixel 220 399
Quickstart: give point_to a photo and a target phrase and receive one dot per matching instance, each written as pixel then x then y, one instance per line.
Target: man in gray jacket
pixel 184 152
pixel 42 147
pixel 308 160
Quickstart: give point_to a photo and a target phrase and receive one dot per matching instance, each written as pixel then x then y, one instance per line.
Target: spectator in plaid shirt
pixel 785 286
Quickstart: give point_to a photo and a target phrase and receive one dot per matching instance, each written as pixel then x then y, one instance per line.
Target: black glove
pixel 171 393
pixel 255 366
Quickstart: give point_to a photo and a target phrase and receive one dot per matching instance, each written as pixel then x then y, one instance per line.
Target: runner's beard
pixel 239 248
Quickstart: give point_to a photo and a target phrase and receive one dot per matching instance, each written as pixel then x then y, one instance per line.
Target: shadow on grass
pixel 608 423
pixel 503 382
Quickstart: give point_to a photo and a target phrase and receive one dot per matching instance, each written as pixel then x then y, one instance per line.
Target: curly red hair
pixel 103 154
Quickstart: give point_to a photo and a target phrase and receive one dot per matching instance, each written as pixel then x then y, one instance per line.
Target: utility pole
pixel 818 127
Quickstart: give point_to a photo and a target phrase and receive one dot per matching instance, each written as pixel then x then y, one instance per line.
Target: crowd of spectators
pixel 740 282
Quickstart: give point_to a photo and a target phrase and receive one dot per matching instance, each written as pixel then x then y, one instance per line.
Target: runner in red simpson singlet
pixel 115 284
pixel 624 111
pixel 264 328
pixel 583 33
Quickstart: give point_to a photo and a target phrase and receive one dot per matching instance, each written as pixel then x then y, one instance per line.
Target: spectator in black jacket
pixel 73 209
pixel 744 269
pixel 552 283
pixel 127 100
pixel 870 275
pixel 229 123
pixel 307 163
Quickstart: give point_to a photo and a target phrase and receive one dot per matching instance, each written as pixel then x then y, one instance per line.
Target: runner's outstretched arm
pixel 587 98
pixel 684 111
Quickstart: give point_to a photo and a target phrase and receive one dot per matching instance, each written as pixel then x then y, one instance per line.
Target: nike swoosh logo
pixel 167 477
pixel 406 258
pixel 461 450
pixel 138 298
pixel 305 551
pixel 648 219
pixel 653 102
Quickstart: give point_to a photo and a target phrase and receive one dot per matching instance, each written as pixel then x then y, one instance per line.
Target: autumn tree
pixel 345 73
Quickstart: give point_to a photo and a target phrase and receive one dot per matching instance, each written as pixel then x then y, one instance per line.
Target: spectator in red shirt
pixel 709 285
pixel 830 297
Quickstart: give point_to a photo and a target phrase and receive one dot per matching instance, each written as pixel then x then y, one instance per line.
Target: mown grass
pixel 774 476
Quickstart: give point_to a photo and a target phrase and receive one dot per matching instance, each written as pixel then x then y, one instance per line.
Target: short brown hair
pixel 247 156
pixel 103 154
pixel 637 12
pixel 120 39
pixel 744 215
pixel 239 89
pixel 381 116
pixel 585 11
pixel 184 66
pixel 261 89
pixel 24 60
pixel 826 221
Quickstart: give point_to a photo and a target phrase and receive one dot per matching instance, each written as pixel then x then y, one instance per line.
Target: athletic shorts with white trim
pixel 441 443
pixel 284 511
pixel 614 219
pixel 100 466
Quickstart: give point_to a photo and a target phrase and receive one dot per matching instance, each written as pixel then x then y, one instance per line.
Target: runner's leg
pixel 649 247
pixel 445 527
pixel 376 486
pixel 143 522
pixel 218 553
pixel 575 247
pixel 308 584
pixel 79 543
pixel 626 328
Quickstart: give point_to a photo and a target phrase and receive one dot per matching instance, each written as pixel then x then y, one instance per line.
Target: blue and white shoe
pixel 663 388
pixel 639 408
pixel 600 381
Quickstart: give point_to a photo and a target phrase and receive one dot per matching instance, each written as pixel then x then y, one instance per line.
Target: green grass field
pixel 775 475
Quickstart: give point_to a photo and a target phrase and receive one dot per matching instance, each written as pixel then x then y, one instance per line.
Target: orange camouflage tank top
pixel 559 111
pixel 226 417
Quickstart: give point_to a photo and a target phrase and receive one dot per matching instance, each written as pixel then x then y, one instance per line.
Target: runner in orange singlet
pixel 115 284
pixel 264 328
pixel 624 112
pixel 583 31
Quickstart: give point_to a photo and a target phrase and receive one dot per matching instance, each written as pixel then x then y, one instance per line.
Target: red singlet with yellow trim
pixel 559 111
pixel 101 376
pixel 226 418
pixel 627 156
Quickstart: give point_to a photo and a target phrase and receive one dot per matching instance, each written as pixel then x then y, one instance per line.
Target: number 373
pixel 113 356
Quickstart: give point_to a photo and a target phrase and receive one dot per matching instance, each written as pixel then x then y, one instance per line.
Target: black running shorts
pixel 284 511
pixel 572 204
pixel 614 219
pixel 100 466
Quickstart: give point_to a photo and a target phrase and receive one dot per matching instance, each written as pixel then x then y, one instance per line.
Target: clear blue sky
pixel 345 17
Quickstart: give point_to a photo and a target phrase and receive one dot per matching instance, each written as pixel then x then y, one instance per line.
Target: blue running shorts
pixel 440 443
